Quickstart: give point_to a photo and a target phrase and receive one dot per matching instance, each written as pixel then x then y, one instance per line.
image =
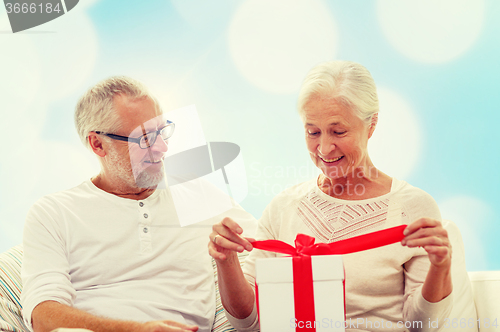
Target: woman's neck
pixel 359 184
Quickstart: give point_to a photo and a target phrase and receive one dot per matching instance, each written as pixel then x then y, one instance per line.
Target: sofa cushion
pixel 10 290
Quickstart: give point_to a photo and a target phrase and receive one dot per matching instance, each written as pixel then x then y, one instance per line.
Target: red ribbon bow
pixel 302 270
pixel 304 244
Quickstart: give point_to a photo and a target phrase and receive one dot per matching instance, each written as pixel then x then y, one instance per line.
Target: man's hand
pixel 168 326
pixel 50 315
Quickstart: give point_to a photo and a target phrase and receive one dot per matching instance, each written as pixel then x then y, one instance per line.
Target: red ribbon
pixel 302 270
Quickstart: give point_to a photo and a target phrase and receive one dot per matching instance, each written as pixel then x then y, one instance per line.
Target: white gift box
pixel 274 277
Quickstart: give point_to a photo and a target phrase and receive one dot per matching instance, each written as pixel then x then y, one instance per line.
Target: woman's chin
pixel 334 172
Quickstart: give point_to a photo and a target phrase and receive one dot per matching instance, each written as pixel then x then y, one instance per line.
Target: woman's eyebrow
pixel 331 124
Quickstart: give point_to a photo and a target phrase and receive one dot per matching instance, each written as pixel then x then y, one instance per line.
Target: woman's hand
pixel 236 294
pixel 226 240
pixel 429 234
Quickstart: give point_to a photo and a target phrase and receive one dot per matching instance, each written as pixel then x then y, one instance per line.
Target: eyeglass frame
pixel 138 139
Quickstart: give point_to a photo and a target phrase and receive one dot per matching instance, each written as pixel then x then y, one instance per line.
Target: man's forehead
pixel 136 113
pixel 150 125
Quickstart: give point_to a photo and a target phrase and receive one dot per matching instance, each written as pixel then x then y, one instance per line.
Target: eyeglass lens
pixel 150 138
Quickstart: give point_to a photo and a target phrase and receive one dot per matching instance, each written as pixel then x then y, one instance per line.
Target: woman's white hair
pixel 95 110
pixel 346 82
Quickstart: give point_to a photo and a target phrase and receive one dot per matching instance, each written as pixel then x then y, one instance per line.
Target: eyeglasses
pixel 147 139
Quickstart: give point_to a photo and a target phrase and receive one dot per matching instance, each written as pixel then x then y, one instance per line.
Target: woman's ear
pixel 373 124
pixel 95 143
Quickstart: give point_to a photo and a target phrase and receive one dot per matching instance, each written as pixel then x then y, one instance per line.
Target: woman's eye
pixel 313 133
pixel 339 132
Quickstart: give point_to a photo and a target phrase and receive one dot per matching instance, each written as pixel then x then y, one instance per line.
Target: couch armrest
pixel 11 318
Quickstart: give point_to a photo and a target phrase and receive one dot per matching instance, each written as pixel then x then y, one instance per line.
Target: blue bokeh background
pixel 440 131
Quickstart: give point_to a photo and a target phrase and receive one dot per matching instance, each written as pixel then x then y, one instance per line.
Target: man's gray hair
pixel 347 82
pixel 95 110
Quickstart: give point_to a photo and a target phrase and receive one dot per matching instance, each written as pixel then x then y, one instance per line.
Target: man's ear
pixel 95 143
pixel 373 124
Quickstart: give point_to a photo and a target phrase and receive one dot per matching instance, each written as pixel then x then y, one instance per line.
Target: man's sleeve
pixel 45 269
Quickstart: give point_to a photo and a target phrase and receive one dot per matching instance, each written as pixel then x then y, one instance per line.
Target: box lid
pixel 280 269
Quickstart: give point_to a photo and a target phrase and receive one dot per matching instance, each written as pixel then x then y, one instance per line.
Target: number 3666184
pixel 32 8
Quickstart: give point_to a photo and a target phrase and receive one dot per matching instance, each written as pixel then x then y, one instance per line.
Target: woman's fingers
pixel 429 234
pixel 426 241
pixel 226 238
pixel 424 228
pixel 226 234
pixel 437 250
pixel 232 225
pixel 212 251
pixel 419 224
pixel 229 241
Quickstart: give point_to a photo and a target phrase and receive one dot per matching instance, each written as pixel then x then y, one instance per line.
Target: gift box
pixel 305 292
pixel 283 307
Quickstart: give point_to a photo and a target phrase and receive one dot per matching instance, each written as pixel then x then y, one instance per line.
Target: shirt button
pixel 145 230
pixel 141 204
pixel 145 215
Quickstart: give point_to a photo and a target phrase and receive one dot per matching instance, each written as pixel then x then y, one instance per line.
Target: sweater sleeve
pixel 418 310
pixel 421 313
pixel 264 232
pixel 45 269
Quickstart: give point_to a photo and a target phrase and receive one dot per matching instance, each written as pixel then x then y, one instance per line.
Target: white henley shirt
pixel 119 258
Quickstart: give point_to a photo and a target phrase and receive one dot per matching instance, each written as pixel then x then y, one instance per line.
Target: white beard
pixel 134 178
pixel 147 180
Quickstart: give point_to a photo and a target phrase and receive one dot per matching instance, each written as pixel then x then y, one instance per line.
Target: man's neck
pixel 126 192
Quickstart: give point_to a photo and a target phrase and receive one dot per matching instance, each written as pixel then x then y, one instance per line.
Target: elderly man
pixel 109 254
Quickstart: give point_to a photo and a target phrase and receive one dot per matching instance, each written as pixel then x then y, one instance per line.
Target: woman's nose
pixel 326 145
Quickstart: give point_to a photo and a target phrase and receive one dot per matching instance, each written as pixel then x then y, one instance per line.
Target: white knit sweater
pixel 382 285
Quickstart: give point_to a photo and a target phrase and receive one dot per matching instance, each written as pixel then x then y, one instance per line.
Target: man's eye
pixel 339 132
pixel 313 133
pixel 147 138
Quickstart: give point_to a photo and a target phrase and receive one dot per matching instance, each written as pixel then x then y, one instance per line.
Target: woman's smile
pixel 331 161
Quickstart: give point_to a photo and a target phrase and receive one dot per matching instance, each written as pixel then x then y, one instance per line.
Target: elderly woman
pixel 407 281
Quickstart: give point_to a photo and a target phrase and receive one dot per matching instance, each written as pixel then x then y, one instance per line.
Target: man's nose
pixel 160 145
